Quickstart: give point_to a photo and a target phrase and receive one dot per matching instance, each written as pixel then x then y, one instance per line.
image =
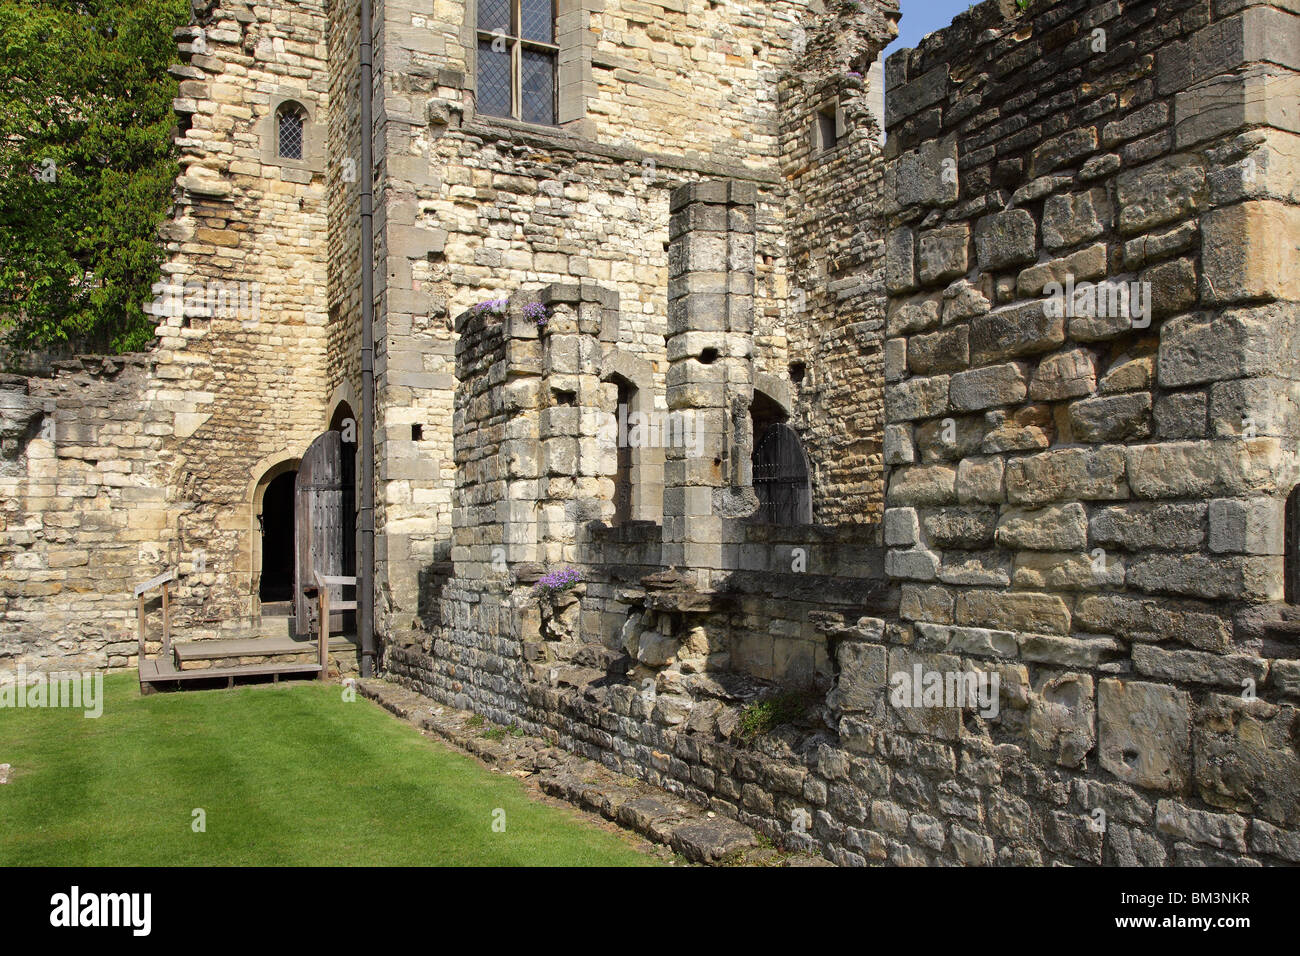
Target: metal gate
pixel 781 478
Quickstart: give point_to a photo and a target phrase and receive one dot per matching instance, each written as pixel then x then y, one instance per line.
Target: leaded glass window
pixel 289 132
pixel 517 59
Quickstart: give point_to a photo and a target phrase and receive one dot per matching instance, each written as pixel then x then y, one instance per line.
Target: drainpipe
pixel 366 559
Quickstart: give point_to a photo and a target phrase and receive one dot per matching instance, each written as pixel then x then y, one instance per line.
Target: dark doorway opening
pixel 780 469
pixel 277 521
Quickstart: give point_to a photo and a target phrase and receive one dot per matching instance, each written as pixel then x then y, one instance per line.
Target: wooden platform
pixel 163 671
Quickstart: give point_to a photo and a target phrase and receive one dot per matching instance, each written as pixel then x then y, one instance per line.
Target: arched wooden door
pixel 781 478
pixel 318 515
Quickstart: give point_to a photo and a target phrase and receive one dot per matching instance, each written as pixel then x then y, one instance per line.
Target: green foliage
pixel 763 716
pixel 85 101
pixel 494 733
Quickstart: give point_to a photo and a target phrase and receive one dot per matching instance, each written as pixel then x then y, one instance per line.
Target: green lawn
pixel 289 775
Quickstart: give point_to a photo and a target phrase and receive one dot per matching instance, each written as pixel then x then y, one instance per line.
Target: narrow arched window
pixel 290 131
pixel 623 474
pixel 1291 566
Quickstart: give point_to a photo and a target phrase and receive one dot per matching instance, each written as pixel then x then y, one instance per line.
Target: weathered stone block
pixel 1055 528
pixel 1144 734
pixel 898 448
pixel 1248 251
pixel 1197 348
pixel 917 398
pixel 1240 578
pixel 1089 474
pixel 1249 526
pixel 1065 375
pixel 922 485
pixel 1246 758
pixel 942 254
pixel 902 528
pixel 1013 611
pixel 1199 667
pixel 1006 239
pixel 1050 571
pixel 1014 331
pixel 944 351
pixel 989 387
pixel 1151 621
pixel 980 480
pixel 964 528
pixel 1062 717
pixel 1140 527
pixel 900 261
pixel 1112 418
pixel 1160 192
pixel 1071 219
pixel 1203 469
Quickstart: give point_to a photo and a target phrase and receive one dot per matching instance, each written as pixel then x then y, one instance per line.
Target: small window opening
pixel 797 372
pixel 565 397
pixel 417 433
pixel 708 356
pixel 289 132
pixel 826 128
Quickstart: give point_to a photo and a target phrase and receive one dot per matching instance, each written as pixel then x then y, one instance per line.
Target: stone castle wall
pixel 475 208
pixel 152 462
pixel 1085 507
pixel 1086 500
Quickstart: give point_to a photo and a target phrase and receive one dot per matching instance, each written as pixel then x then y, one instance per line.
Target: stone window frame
pixel 647 472
pixel 817 138
pixel 313 133
pixel 574 83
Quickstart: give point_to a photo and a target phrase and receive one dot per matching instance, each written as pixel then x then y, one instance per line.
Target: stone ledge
pixel 701 836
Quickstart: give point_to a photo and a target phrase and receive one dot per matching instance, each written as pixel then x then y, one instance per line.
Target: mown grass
pixel 289 775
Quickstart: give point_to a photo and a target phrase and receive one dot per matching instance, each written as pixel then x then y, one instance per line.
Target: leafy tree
pixel 86 167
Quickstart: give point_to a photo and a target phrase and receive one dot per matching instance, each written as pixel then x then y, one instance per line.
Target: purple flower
pixel 495 305
pixel 553 582
pixel 537 311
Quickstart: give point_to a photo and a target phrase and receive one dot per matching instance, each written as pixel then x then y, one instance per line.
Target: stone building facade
pixel 1008 400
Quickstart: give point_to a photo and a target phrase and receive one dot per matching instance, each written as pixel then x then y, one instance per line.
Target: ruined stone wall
pixel 147 463
pixel 1086 508
pixel 1088 500
pixel 83 469
pixel 833 354
pixel 473 208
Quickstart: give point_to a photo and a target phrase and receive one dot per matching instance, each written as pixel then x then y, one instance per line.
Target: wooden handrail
pixel 322 588
pixel 162 581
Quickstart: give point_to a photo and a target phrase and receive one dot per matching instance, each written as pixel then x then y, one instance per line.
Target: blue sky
pixel 921 17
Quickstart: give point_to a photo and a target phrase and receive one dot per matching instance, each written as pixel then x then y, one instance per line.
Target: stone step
pixel 696 833
pixel 253 649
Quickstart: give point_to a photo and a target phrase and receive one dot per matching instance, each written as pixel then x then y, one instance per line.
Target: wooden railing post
pixel 167 620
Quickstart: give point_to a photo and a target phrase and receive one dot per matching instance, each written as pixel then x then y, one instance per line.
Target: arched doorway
pixel 780 468
pixel 326 532
pixel 276 522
